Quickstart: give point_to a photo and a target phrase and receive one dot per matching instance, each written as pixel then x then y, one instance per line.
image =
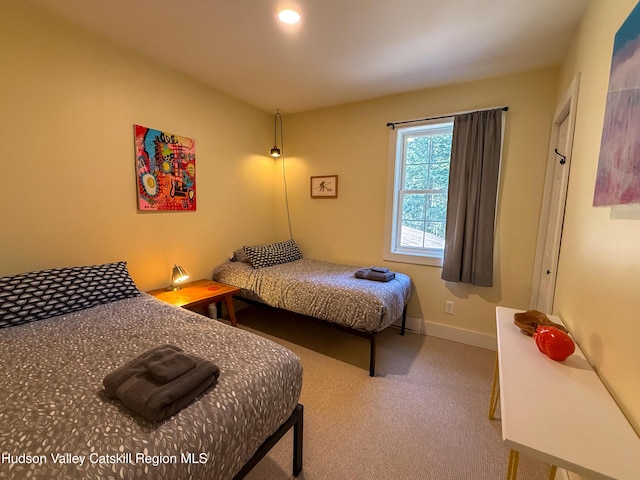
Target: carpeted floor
pixel 423 416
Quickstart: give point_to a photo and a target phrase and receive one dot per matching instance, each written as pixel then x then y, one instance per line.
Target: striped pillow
pixel 32 296
pixel 273 254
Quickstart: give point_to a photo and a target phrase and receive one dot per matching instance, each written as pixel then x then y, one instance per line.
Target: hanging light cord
pixel 284 176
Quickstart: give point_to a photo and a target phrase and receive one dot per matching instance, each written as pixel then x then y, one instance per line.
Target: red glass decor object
pixel 554 343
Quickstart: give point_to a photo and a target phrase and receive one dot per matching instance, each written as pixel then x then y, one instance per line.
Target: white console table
pixel 559 412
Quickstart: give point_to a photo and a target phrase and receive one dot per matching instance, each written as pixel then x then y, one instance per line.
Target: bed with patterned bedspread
pixel 56 422
pixel 322 290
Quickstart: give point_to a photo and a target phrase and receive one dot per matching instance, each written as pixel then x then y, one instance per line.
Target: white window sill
pixel 412 258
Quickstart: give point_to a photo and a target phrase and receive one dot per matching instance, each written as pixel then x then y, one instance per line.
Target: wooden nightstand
pixel 200 294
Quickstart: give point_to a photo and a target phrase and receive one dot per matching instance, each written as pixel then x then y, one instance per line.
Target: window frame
pixel 396 167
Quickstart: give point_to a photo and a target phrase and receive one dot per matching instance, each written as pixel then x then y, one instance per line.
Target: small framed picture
pixel 324 187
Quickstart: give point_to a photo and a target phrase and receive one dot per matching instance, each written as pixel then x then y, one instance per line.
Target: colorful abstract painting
pixel 618 177
pixel 166 168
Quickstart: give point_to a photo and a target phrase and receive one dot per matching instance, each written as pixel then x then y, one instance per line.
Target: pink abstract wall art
pixel 618 177
pixel 166 168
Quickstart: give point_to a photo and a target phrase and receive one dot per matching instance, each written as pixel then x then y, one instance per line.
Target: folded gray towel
pixel 138 365
pixel 141 387
pixel 379 269
pixel 170 367
pixel 378 276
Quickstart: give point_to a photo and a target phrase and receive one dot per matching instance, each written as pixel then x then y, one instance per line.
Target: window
pixel 417 210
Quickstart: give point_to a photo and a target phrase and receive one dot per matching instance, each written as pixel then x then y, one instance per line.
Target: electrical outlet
pixel 448 307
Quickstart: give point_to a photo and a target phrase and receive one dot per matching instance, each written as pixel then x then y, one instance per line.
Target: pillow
pixel 28 297
pixel 240 256
pixel 273 254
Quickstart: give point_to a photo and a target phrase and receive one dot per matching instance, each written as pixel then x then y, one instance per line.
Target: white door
pixel 552 212
pixel 551 252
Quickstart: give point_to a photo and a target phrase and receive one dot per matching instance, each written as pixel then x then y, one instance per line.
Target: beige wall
pixel 67 109
pixel 69 101
pixel 352 142
pixel 599 270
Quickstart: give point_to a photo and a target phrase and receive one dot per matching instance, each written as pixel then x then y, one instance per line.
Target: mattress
pixel 56 422
pixel 323 290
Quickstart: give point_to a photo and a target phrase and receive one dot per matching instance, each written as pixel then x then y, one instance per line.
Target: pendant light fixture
pixel 275 151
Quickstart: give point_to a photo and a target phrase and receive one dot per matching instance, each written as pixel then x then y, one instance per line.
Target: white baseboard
pixel 468 337
pixel 447 332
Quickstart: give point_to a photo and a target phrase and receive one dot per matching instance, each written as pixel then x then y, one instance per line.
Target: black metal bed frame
pixel 370 335
pixel 295 420
pixel 372 338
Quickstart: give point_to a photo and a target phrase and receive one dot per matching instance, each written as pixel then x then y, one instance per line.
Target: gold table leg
pixel 512 466
pixel 552 472
pixel 495 390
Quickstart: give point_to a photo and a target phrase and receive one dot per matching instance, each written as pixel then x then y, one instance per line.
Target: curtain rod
pixel 393 124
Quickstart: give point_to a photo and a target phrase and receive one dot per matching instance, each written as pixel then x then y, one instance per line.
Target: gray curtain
pixel 473 186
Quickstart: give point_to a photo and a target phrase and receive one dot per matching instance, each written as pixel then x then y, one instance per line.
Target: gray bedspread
pixel 54 414
pixel 323 290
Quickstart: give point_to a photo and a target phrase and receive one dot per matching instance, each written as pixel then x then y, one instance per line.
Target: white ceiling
pixel 342 50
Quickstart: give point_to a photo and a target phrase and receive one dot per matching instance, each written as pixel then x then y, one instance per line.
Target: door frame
pixel 567 109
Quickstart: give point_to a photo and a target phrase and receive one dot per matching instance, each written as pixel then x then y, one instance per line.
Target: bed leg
pixel 298 434
pixel 404 319
pixel 372 356
pixel 295 420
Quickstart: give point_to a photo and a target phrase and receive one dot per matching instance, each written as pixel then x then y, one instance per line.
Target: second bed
pixel 325 291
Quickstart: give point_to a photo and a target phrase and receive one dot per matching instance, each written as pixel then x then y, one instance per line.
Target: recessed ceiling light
pixel 289 16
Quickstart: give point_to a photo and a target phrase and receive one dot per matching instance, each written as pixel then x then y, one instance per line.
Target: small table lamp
pixel 178 275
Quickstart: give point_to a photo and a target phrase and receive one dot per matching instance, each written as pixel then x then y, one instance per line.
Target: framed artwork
pixel 618 176
pixel 324 187
pixel 166 170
